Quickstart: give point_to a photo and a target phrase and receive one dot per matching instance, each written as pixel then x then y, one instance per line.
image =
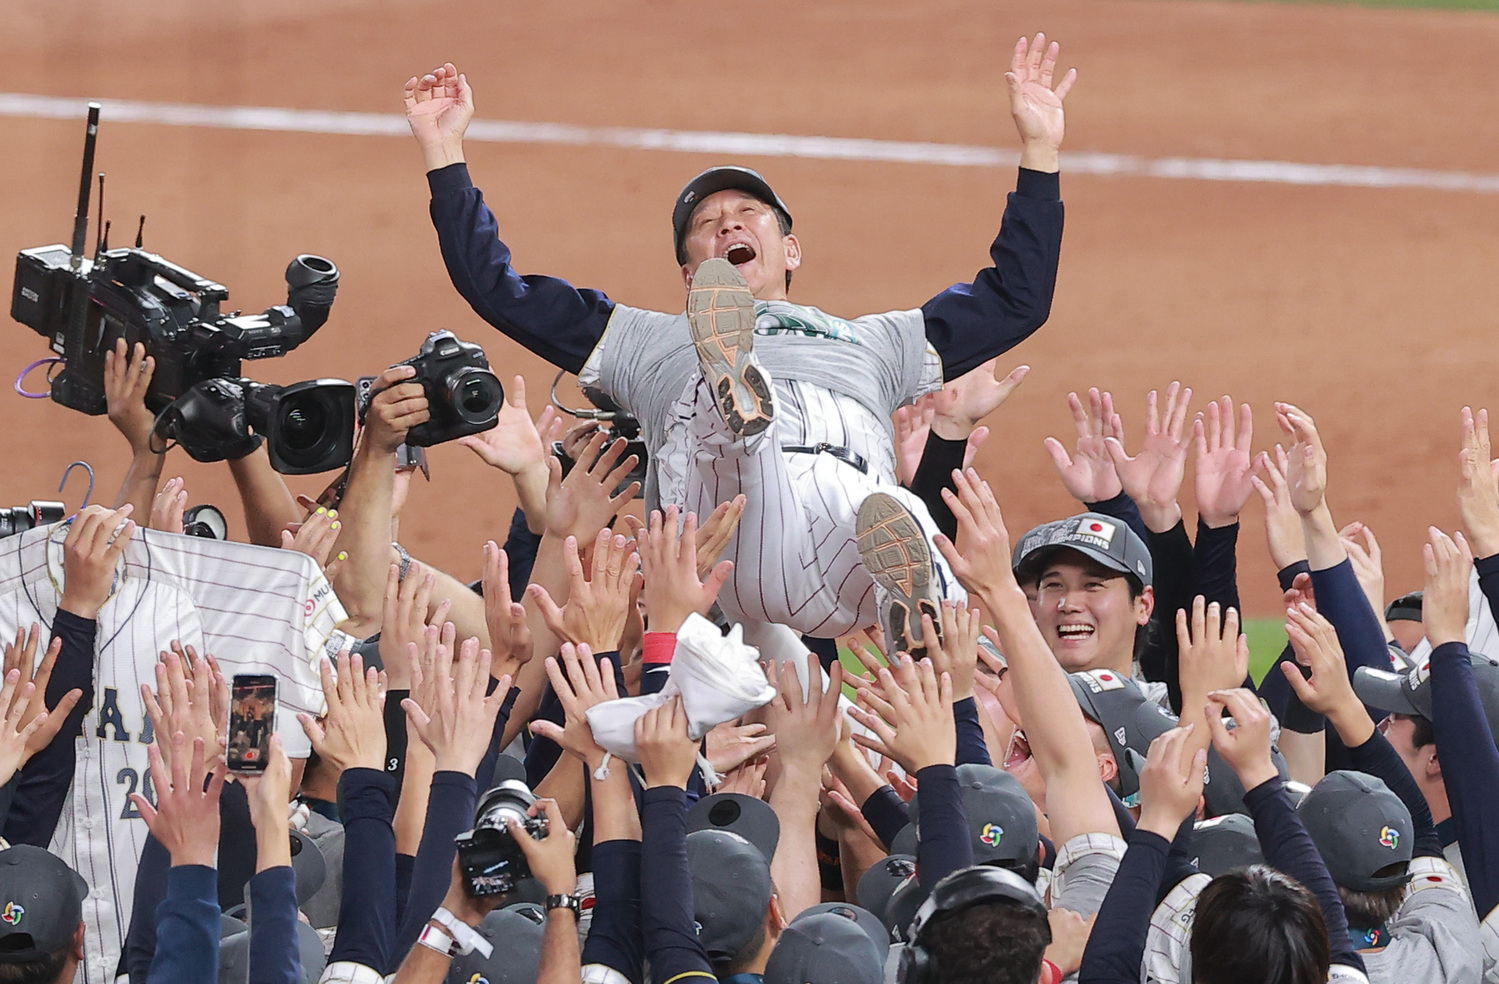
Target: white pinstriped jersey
pixel 256 609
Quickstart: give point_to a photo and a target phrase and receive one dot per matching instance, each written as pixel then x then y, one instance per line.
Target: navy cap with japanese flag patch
pixel 1410 692
pixel 1104 539
pixel 1130 719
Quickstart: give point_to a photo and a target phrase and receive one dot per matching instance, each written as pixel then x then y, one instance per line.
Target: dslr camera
pixel 463 393
pixel 307 427
pixel 489 856
pixel 19 519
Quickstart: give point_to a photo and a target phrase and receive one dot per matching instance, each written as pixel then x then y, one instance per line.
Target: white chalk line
pixel 730 144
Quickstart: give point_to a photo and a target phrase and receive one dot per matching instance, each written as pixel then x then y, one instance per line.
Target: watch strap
pixel 572 902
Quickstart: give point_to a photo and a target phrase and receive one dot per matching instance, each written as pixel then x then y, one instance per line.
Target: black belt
pixel 842 454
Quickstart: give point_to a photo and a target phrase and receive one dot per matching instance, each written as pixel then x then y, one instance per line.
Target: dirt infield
pixel 1373 308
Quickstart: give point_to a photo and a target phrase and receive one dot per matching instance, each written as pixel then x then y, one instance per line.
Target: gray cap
pixel 907 839
pixel 731 890
pixel 1130 719
pixel 750 818
pixel 880 881
pixel 1361 829
pixel 41 903
pixel 1223 792
pixel 1410 693
pixel 826 947
pixel 1222 844
pixel 1107 540
pixel 308 864
pixel 1001 817
pixel 234 955
pixel 710 182
pixel 866 920
pixel 901 909
pixel 516 957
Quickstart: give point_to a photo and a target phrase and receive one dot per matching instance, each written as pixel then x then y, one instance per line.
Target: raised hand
pixel 127 378
pixel 912 424
pixel 1153 478
pixel 96 542
pixel 1214 654
pixel 509 633
pixel 583 503
pixel 1478 484
pixel 459 724
pixel 1088 473
pixel 439 107
pixel 1171 782
pixel 1246 748
pixel 1444 603
pixel 966 401
pixel 514 443
pixel 269 793
pixel 404 621
pixel 716 531
pixel 191 697
pixel 983 566
pixel 1036 104
pixel 914 726
pixel 1282 523
pixel 597 606
pixel 551 857
pixel 1328 691
pixel 957 652
pixel 167 508
pixel 805 727
pixel 351 733
pixel 25 727
pixel 669 560
pixel 1306 462
pixel 185 817
pixel 579 683
pixel 314 536
pixel 729 746
pixel 1368 564
pixel 1223 465
pixel 667 754
pixel 21 657
pixel 398 405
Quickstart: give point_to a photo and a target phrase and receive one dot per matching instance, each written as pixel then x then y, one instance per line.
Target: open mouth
pixel 740 253
pixel 1075 633
pixel 1019 751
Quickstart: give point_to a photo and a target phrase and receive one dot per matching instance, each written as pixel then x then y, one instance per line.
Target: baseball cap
pixel 41 903
pixel 1225 843
pixel 750 818
pixel 1001 817
pixel 1410 692
pixel 1107 540
pixel 827 947
pixel 1130 719
pixel 308 864
pixel 880 881
pixel 1406 608
pixel 234 955
pixel 901 909
pixel 1361 829
pixel 516 957
pixel 730 890
pixel 712 181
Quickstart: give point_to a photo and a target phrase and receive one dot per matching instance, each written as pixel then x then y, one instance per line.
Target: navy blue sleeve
pixel 1289 848
pixel 1488 581
pixel 520 549
pixel 946 845
pixel 614 935
pixel 1277 693
pixel 1179 866
pixel 187 928
pixel 450 811
pixel 939 459
pixel 667 913
pixel 887 814
pixel 150 890
pixel 46 779
pixel 1378 758
pixel 972 749
pixel 367 903
pixel 1215 564
pixel 548 316
pixel 1124 509
pixel 1171 554
pixel 404 864
pixel 1342 602
pixel 275 957
pixel 1116 945
pixel 969 324
pixel 484 774
pixel 1470 766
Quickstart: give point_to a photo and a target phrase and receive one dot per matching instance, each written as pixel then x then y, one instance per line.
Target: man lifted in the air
pixel 749 392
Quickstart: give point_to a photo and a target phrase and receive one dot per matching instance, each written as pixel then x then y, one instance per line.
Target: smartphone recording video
pixel 252 720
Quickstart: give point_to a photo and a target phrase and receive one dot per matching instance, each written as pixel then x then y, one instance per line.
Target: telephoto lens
pixel 19 519
pixel 489 856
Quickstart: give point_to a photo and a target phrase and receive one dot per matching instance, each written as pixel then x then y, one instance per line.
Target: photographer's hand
pixel 439 106
pixel 127 377
pixel 550 857
pixel 398 406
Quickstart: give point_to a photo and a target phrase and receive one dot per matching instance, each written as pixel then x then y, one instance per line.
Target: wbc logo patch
pixel 12 913
pixel 1390 837
pixel 992 834
pixel 1097 529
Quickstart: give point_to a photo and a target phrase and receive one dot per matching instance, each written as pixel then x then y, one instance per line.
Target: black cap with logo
pixel 712 181
pixel 41 903
pixel 1361 829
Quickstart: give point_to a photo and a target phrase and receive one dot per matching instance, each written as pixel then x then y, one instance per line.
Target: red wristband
pixel 658 648
pixel 1054 973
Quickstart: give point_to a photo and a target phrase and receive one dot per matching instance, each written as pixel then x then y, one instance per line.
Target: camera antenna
pixel 80 217
pixel 103 236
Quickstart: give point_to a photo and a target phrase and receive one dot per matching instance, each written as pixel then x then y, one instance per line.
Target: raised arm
pixel 548 316
pixel 969 324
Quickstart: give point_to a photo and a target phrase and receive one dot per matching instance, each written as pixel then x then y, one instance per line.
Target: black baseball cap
pixel 828 944
pixel 41 903
pixel 1001 817
pixel 712 181
pixel 750 818
pixel 1130 719
pixel 731 890
pixel 1107 540
pixel 1361 829
pixel 516 957
pixel 880 881
pixel 1410 692
pixel 1406 608
pixel 1225 843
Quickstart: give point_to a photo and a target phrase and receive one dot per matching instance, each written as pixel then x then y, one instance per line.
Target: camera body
pixel 308 427
pixel 19 519
pixel 489 857
pixel 83 306
pixel 463 394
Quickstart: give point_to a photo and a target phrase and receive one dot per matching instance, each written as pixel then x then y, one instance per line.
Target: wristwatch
pixel 573 902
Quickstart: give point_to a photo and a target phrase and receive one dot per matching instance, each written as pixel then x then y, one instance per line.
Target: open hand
pixel 168 506
pixel 668 559
pixel 1153 478
pixel 1282 522
pixel 351 734
pixel 439 107
pixel 509 632
pixel 597 606
pixel 1478 484
pixel 1444 604
pixel 915 725
pixel 1306 462
pixel 964 402
pixel 584 502
pixel 1035 103
pixel 127 379
pixel 1223 465
pixel 1088 473
pixel 579 683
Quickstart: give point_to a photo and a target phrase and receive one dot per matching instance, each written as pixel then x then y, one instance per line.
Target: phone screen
pixel 252 720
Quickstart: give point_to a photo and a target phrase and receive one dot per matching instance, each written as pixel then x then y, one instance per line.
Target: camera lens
pixel 475 395
pixel 304 425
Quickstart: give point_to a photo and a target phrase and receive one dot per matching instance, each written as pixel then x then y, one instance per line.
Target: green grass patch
pixel 1488 5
